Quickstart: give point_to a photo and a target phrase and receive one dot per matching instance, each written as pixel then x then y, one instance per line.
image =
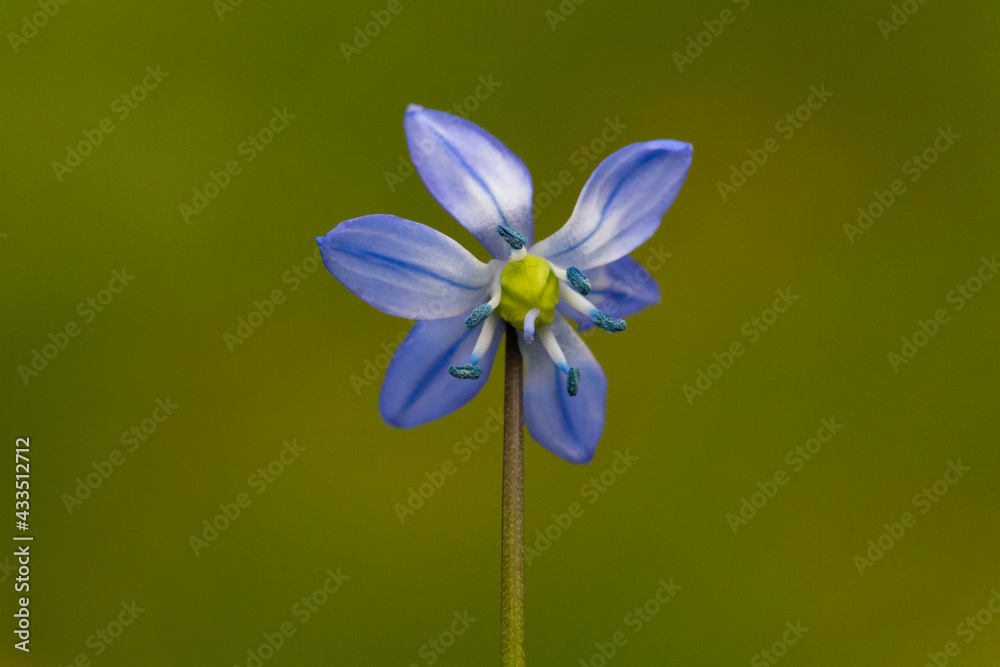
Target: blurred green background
pixel 225 68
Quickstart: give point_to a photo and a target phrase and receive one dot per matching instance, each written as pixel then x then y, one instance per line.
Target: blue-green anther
pixel 573 381
pixel 579 281
pixel 478 315
pixel 466 372
pixel 608 323
pixel 515 238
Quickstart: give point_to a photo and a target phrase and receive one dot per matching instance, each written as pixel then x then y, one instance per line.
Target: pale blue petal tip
pixel 515 238
pixel 579 281
pixel 466 372
pixel 478 315
pixel 608 323
pixel 573 381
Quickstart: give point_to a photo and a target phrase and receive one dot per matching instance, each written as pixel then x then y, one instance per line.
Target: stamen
pixel 573 381
pixel 495 289
pixel 471 371
pixel 483 311
pixel 608 323
pixel 601 319
pixel 579 281
pixel 484 340
pixel 552 347
pixel 573 276
pixel 529 324
pixel 557 356
pixel 515 238
pixel 478 315
pixel 467 372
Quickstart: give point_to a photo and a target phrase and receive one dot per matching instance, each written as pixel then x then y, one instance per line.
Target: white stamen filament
pixel 552 347
pixel 577 300
pixel 560 272
pixel 518 253
pixel 495 290
pixel 485 338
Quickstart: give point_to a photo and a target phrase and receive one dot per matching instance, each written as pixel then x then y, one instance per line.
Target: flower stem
pixel 512 510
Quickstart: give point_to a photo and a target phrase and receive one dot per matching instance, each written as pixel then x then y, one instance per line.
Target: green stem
pixel 512 510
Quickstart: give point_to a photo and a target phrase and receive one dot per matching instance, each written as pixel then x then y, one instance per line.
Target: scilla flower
pixel 409 270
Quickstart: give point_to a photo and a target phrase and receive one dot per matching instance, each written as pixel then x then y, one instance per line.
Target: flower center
pixel 525 293
pixel 528 284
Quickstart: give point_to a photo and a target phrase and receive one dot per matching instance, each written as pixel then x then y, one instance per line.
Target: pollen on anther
pixel 608 323
pixel 478 315
pixel 466 372
pixel 579 281
pixel 515 238
pixel 573 381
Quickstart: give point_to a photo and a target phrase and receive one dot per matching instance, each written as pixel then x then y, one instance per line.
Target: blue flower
pixel 409 270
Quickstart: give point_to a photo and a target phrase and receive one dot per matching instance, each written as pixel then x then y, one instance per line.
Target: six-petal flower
pixel 409 270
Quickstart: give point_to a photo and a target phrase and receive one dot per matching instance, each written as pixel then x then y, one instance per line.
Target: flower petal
pixel 477 179
pixel 404 268
pixel 620 289
pixel 417 387
pixel 621 204
pixel 568 426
